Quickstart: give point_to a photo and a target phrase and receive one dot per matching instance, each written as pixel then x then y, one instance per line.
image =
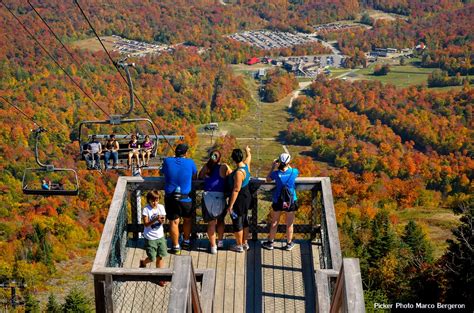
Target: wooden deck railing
pixel 124 218
pixel 136 185
pixel 184 289
pixel 347 295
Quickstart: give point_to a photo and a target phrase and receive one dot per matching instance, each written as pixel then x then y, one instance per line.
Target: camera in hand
pixel 155 225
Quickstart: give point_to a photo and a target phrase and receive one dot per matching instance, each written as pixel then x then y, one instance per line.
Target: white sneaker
pixel 246 246
pixel 214 250
pixel 237 248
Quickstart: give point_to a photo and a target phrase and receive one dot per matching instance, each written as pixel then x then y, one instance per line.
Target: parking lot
pixel 137 48
pixel 267 40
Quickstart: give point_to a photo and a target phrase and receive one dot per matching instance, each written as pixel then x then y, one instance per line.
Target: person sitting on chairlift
pixel 93 155
pixel 147 148
pixel 134 147
pixel 111 150
pixel 45 185
pixel 57 186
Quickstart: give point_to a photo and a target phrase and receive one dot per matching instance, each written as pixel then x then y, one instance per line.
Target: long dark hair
pixel 214 159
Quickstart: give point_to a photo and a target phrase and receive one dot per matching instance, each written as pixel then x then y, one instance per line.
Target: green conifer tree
pixel 415 239
pixel 458 261
pixel 31 304
pixel 53 305
pixel 76 302
pixel 383 238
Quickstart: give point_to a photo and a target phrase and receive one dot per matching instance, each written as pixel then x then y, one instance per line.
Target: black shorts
pixel 240 222
pixel 278 207
pixel 176 209
pixel 243 201
pixel 241 208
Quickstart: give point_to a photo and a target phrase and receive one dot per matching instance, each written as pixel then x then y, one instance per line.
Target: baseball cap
pixel 181 149
pixel 284 158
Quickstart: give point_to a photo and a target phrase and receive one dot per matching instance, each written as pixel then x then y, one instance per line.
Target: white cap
pixel 284 158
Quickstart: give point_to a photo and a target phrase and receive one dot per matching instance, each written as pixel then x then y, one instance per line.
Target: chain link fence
pixel 140 296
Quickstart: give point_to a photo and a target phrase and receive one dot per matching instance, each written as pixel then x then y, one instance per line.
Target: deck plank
pixel 221 265
pixel 298 279
pixel 229 283
pixel 239 293
pixel 308 273
pixel 288 279
pixel 278 283
pixel 267 288
pixel 204 253
pixel 194 252
pixel 250 277
pixel 258 275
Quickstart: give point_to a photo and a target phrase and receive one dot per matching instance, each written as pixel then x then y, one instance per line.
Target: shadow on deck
pixel 259 280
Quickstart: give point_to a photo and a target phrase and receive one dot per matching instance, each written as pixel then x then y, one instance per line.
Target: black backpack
pixel 286 199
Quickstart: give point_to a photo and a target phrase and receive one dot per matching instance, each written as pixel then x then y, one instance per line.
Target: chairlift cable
pixel 54 59
pixel 57 38
pixel 54 34
pixel 118 70
pixel 21 111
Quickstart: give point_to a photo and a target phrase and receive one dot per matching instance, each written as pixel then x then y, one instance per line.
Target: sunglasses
pixel 214 156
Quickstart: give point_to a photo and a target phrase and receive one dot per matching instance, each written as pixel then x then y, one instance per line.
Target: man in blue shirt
pixel 179 172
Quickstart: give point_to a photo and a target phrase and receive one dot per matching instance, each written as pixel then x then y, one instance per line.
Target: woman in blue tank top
pixel 213 200
pixel 240 199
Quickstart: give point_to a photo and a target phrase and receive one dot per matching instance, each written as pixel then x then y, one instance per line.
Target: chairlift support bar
pixel 38 132
pixel 117 120
pixel 125 66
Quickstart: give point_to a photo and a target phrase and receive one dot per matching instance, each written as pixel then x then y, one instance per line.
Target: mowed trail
pixel 262 128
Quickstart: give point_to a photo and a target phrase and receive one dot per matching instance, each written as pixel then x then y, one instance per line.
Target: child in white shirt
pixel 155 242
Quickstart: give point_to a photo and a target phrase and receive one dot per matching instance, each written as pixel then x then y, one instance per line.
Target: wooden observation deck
pixel 312 277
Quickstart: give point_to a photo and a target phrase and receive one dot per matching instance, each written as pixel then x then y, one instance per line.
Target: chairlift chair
pixel 32 188
pixel 123 137
pixel 32 176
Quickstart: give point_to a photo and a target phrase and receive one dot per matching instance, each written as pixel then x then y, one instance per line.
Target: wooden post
pixel 99 292
pixel 109 300
pixel 353 290
pixel 332 236
pixel 323 300
pixel 136 206
pixel 181 285
pixel 348 294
